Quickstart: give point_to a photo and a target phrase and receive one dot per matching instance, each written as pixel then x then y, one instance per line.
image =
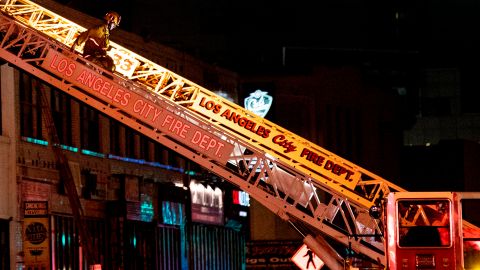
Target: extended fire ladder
pixel 294 178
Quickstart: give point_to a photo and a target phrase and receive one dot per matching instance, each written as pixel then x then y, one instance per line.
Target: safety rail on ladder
pixel 67 179
pixel 289 175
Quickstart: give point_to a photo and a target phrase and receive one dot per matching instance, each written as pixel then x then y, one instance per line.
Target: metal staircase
pixel 294 178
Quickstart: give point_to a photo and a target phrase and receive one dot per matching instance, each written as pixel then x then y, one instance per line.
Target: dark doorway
pixel 4 244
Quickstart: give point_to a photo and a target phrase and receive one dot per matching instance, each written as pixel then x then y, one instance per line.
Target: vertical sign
pixel 36 230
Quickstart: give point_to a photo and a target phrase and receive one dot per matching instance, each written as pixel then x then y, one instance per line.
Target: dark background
pixel 241 35
pixel 392 43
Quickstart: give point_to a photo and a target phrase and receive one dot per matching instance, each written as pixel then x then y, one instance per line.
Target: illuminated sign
pixel 314 161
pixel 240 198
pixel 146 208
pixel 306 259
pixel 137 106
pixel 207 203
pixel 142 210
pixel 259 102
pixel 173 213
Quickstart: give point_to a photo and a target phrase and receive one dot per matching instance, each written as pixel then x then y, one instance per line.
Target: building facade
pixel 144 206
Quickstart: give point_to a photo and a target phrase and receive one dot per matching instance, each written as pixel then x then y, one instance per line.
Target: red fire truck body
pixel 427 230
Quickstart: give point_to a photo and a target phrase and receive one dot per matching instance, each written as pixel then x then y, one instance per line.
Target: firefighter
pixel 97 41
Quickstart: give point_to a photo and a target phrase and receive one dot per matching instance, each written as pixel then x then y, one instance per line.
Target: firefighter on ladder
pixel 97 41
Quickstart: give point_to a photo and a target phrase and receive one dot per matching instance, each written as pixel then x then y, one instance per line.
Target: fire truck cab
pixel 428 230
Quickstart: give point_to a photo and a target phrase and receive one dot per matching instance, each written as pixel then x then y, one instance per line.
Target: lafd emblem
pixel 259 102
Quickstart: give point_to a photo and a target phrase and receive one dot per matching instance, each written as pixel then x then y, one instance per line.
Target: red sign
pixel 137 106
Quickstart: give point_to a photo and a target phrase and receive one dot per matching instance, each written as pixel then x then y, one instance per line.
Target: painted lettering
pixel 210 105
pixel 63 65
pixel 176 126
pixel 312 156
pixel 106 88
pixel 206 142
pixel 125 100
pixel 97 85
pixel 338 169
pixel 246 123
pixel 283 142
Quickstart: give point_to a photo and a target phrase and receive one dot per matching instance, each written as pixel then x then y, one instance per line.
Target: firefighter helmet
pixel 112 17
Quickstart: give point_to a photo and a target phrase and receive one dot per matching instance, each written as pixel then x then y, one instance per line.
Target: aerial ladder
pixel 322 194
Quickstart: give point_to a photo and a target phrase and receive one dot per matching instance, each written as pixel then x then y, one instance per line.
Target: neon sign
pixel 241 198
pixel 259 102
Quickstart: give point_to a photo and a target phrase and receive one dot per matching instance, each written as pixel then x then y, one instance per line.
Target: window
pixel 436 106
pixel 30 108
pixel 66 242
pixel 471 237
pixel 139 245
pixel 89 128
pixel 144 148
pixel 129 143
pixel 62 116
pixel 115 141
pixel 424 223
pixel 160 153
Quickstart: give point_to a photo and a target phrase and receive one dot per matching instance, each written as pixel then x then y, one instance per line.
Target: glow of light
pixel 173 213
pixel 63 240
pixel 150 163
pixel 134 241
pixel 92 153
pixel 223 94
pixel 35 141
pixel 259 102
pixel 241 198
pixel 69 148
pixel 192 173
pixel 242 213
pixel 146 211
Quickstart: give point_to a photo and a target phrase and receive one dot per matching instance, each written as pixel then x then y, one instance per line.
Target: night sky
pixel 239 34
